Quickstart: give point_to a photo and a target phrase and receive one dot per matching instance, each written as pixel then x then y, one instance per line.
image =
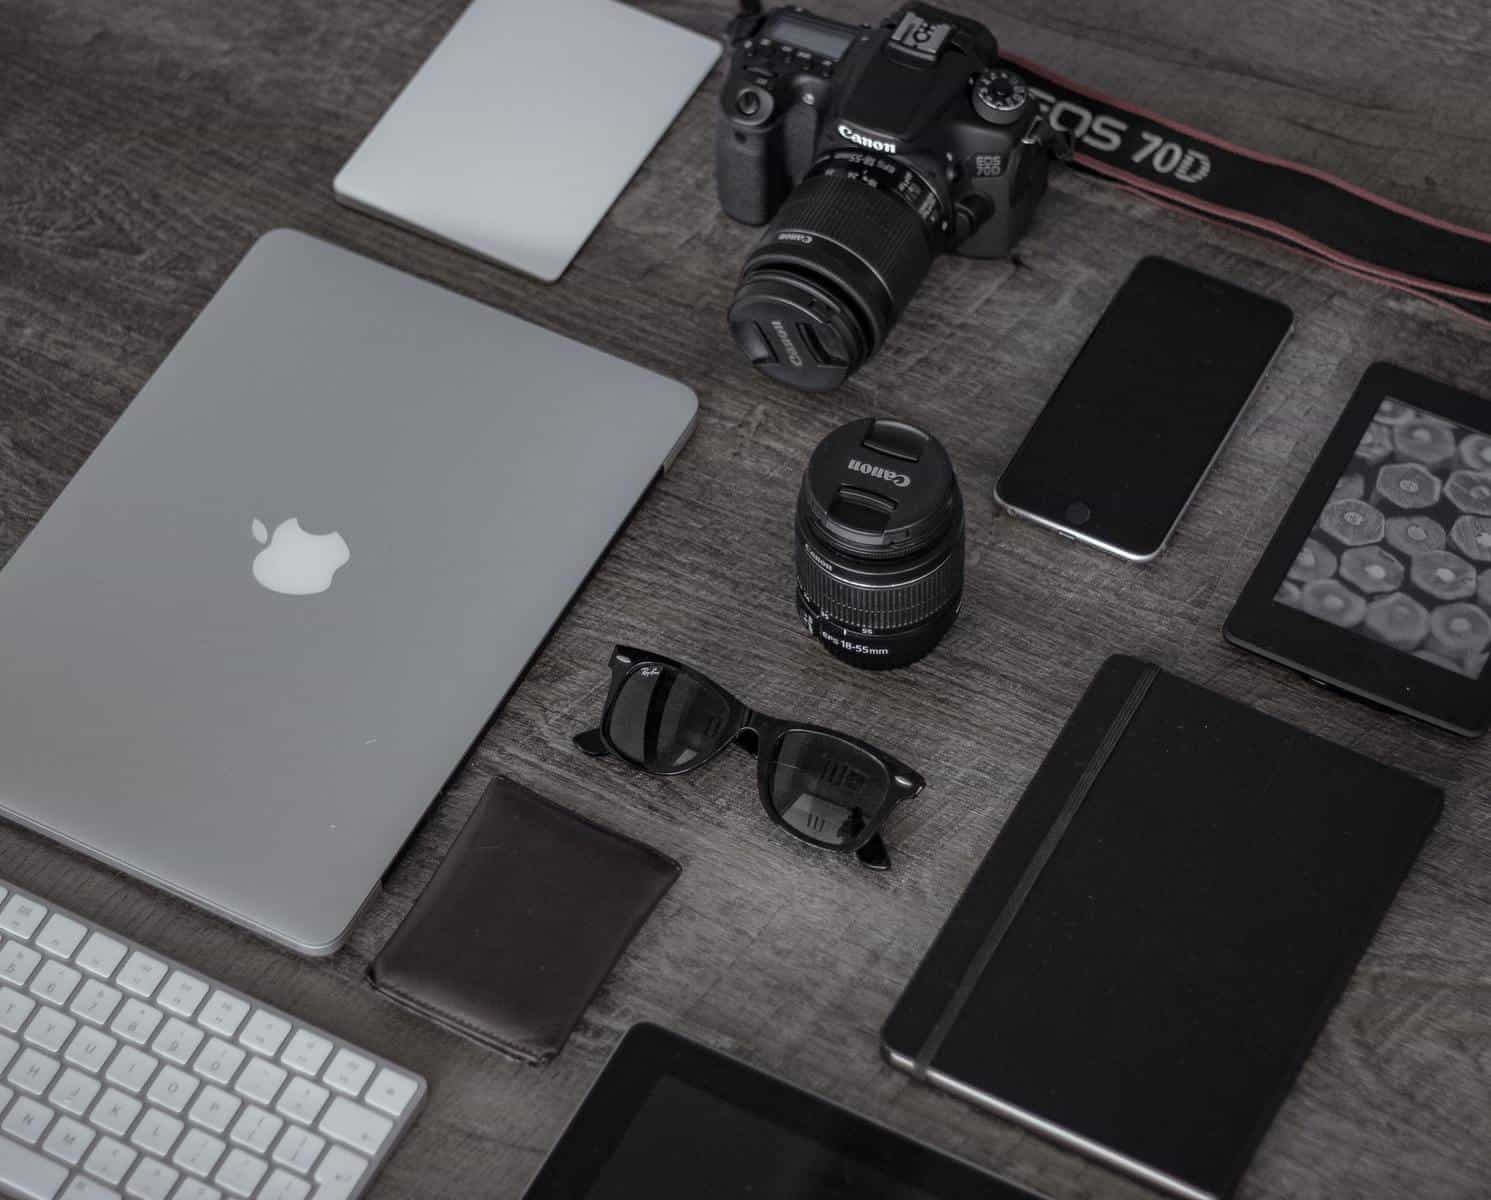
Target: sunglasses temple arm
pixel 874 855
pixel 592 743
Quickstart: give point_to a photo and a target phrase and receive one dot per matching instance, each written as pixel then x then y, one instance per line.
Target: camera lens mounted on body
pixel 879 543
pixel 836 268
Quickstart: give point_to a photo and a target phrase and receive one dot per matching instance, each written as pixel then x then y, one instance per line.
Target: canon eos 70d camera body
pixel 871 149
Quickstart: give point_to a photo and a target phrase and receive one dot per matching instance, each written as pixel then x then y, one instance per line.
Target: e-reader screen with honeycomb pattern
pixel 1401 553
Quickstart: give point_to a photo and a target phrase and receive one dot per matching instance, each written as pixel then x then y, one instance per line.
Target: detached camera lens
pixel 879 544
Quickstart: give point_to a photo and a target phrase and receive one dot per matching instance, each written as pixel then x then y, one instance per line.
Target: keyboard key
pixel 182 994
pixel 240 1173
pixel 284 1186
pixel 96 1001
pixel 302 1100
pixel 131 1069
pixel 74 1092
pixel 152 1180
pixel 33 1072
pixel 85 1189
pixel 352 1124
pixel 306 1052
pixel 157 1132
pixel 198 1152
pixel 172 1090
pixel 218 1061
pixel 223 1013
pixel 8 1049
pixel 136 1022
pixel 298 1148
pixel 256 1130
pixel 141 974
pixel 68 1140
pixel 265 1033
pixel 214 1109
pixel 55 982
pixel 260 1080
pixel 195 1189
pixel 27 1120
pixel 115 1111
pixel 60 936
pixel 340 1169
pixel 101 954
pixel 109 1160
pixel 21 915
pixel 27 1174
pixel 178 1041
pixel 348 1072
pixel 391 1091
pixel 17 962
pixel 14 1009
pixel 49 1030
pixel 90 1049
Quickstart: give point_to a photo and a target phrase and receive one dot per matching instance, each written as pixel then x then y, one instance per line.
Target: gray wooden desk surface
pixel 144 144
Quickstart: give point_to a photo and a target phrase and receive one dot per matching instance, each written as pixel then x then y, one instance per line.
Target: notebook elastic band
pixel 1033 870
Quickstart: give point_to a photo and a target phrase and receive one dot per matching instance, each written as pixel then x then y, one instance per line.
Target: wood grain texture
pixel 144 145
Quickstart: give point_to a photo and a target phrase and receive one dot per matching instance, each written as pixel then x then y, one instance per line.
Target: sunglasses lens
pixel 828 790
pixel 665 719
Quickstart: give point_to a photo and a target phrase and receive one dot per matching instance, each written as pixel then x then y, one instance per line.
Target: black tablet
pixel 1378 581
pixel 669 1117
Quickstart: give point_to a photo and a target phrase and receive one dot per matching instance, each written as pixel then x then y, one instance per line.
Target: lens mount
pixel 836 268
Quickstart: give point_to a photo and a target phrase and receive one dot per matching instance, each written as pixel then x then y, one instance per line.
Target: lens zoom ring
pixel 872 224
pixel 881 608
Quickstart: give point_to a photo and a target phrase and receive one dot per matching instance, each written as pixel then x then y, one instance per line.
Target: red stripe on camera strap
pixel 1297 206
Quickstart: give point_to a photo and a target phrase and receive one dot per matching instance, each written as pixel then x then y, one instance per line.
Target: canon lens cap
pixel 878 487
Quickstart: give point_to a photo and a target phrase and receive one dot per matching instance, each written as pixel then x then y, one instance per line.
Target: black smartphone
pixel 1135 424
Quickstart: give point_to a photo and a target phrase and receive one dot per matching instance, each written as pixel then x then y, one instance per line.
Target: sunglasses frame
pixel 760 734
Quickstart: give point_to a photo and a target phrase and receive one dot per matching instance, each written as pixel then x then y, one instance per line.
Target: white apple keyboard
pixel 125 1074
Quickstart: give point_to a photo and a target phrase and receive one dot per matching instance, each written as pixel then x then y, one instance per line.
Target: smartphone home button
pixel 1078 513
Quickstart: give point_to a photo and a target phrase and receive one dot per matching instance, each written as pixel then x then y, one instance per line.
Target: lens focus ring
pixel 885 606
pixel 873 226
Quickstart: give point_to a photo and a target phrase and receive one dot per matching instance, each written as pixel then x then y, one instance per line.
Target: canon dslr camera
pixel 871 149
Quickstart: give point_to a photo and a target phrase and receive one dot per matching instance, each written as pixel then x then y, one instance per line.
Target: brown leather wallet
pixel 522 923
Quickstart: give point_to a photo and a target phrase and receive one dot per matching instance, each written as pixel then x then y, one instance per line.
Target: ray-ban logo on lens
pixel 889 476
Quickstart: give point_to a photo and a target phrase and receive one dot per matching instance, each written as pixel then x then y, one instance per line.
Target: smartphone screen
pixel 1141 413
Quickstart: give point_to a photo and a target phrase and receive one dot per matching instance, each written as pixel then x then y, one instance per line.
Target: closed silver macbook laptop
pixel 249 642
pixel 522 128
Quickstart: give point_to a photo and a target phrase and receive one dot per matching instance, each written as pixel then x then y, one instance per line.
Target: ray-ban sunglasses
pixel 831 790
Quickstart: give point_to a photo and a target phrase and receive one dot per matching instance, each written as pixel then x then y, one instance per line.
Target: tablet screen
pixel 1401 552
pixel 731 1152
pixel 669 1117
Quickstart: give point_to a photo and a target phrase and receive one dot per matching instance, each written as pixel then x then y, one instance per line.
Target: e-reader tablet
pixel 1378 581
pixel 1144 958
pixel 669 1117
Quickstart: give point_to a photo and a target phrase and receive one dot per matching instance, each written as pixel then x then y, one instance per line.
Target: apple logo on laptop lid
pixel 294 562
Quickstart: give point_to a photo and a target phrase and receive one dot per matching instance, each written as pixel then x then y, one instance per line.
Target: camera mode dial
pixel 1000 96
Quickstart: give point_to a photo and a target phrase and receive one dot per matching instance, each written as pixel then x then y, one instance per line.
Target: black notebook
pixel 1143 960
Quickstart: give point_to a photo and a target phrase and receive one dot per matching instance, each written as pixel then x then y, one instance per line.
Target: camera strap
pixel 1299 206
